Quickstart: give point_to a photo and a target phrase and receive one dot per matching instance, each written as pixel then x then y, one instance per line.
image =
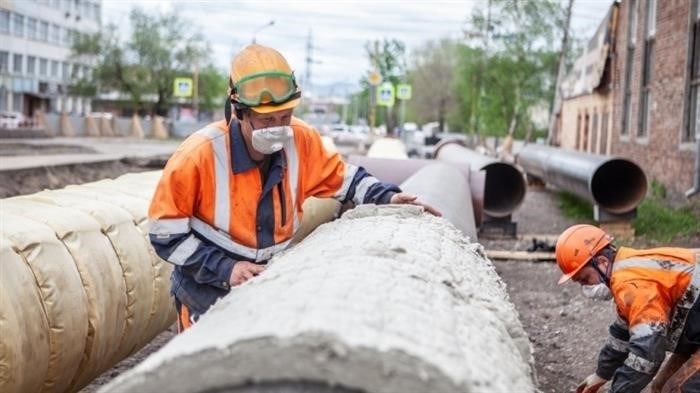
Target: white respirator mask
pixel 271 139
pixel 597 292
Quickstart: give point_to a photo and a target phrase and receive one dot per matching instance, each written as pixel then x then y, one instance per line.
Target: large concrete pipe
pixel 387 148
pixel 444 187
pixel 616 185
pixel 396 171
pixel 505 185
pixel 385 299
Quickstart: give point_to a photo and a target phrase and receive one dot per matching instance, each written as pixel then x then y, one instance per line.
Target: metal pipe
pixel 397 171
pixel 617 185
pixel 445 188
pixel 505 185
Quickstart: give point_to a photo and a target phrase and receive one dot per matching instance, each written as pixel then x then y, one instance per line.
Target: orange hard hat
pixel 262 79
pixel 576 246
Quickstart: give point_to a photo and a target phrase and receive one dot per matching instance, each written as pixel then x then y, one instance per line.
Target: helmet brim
pixel 566 277
pixel 276 108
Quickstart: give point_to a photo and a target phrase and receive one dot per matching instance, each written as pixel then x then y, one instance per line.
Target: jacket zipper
pixel 283 203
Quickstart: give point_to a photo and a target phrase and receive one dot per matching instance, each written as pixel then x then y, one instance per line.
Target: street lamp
pixel 268 24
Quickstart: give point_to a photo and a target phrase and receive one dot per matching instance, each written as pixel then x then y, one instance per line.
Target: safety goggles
pixel 274 87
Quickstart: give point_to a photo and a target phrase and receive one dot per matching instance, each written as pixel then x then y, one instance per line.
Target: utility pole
pixel 556 106
pixel 373 89
pixel 195 89
pixel 309 61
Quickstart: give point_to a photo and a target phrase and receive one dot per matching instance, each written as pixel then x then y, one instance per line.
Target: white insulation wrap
pixel 385 299
pixel 387 148
pixel 80 285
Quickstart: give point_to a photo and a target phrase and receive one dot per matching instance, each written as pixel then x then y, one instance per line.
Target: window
pixel 66 71
pixel 629 61
pixel 65 37
pixel 578 132
pixel 44 31
pixel 56 4
pixel 65 5
pixel 54 68
pixel 692 115
pixel 586 125
pixel 31 29
pixel 603 145
pixel 17 99
pixel 43 67
pixel 18 25
pixel 594 132
pixel 4 22
pixel 645 92
pixel 55 34
pixel 17 63
pixel 31 65
pixel 4 62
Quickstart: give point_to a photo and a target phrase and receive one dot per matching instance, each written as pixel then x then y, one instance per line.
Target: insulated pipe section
pixel 505 185
pixel 81 288
pixel 444 187
pixel 385 299
pixel 397 171
pixel 616 185
pixel 387 148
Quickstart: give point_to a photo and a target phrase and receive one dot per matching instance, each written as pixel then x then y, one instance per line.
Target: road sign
pixel 403 91
pixel 385 94
pixel 374 78
pixel 182 87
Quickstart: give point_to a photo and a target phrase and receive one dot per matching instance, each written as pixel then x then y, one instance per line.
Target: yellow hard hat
pixel 262 79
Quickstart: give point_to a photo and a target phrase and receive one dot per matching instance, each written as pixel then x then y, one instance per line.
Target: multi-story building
pixel 650 85
pixel 35 53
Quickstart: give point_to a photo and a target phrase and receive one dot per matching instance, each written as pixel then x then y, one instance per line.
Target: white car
pixel 10 119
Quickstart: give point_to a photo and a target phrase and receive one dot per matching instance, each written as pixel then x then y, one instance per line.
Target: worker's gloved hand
pixel 244 271
pixel 591 384
pixel 401 198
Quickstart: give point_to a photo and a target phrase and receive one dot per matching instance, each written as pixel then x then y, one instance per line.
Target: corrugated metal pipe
pixel 616 185
pixel 385 299
pixel 505 185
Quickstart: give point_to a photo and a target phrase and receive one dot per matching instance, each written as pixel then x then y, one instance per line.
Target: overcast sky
pixel 339 28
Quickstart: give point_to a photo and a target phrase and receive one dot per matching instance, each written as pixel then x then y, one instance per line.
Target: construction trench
pixel 94 293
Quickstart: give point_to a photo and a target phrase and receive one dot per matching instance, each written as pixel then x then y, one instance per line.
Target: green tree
pixel 389 59
pixel 211 88
pixel 160 48
pixel 432 75
pixel 508 65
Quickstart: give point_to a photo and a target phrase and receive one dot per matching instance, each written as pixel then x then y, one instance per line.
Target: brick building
pixel 656 89
pixel 645 104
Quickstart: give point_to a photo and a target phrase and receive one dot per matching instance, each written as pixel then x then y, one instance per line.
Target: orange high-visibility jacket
pixel 214 207
pixel 655 292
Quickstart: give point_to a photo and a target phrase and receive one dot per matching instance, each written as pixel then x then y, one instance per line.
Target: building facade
pixel 35 47
pixel 586 114
pixel 657 87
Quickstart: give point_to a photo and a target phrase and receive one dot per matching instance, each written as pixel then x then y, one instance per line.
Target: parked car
pixel 9 119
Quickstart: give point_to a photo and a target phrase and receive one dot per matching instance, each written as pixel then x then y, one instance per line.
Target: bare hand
pixel 408 199
pixel 244 271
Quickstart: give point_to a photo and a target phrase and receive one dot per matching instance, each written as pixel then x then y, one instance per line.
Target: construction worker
pixel 656 298
pixel 231 196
